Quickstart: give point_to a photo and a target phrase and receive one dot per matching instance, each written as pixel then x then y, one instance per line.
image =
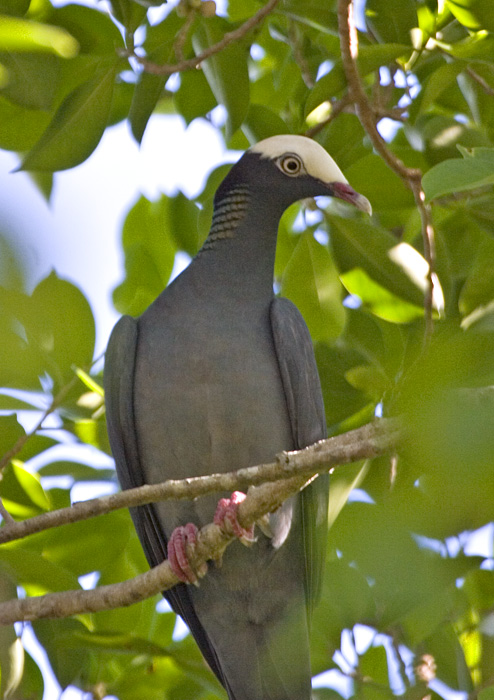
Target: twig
pixel 57 400
pixel 399 659
pixel 411 176
pixel 349 51
pixel 7 518
pixel 371 440
pixel 19 444
pixel 212 540
pixel 181 38
pixel 480 80
pixel 298 54
pixel 228 38
pixel 428 239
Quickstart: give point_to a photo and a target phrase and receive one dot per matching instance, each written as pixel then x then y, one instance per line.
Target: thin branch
pixel 429 243
pixel 228 38
pixel 480 81
pixel 370 441
pixel 411 176
pixel 55 605
pixel 298 54
pixel 181 38
pixel 349 52
pixel 7 518
pixel 212 540
pixel 57 400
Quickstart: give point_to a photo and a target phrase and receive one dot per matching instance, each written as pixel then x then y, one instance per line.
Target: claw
pixel 226 518
pixel 182 538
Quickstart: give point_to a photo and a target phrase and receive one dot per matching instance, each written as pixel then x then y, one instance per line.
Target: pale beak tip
pixel 363 204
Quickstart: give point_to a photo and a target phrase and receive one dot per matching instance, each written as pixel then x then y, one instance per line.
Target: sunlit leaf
pixel 25 35
pixel 452 176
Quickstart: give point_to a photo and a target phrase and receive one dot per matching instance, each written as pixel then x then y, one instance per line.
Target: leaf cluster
pixel 405 601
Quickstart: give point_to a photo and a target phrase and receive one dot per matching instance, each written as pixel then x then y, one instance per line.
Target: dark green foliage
pixel 396 558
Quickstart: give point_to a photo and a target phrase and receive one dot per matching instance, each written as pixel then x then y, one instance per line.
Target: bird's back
pixel 208 397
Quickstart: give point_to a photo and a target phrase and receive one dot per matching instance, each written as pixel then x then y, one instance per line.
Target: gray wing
pixel 119 398
pixel 302 386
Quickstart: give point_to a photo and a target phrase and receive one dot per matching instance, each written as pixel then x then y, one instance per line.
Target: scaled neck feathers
pixel 229 211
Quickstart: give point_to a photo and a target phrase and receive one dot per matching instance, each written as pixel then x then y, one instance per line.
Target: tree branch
pixel 57 400
pixel 411 176
pixel 370 441
pixel 228 38
pixel 349 52
pixel 297 468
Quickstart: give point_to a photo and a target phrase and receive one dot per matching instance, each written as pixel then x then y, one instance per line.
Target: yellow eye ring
pixel 291 164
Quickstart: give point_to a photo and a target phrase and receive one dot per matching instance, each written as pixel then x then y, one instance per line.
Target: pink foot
pixel 226 518
pixel 181 538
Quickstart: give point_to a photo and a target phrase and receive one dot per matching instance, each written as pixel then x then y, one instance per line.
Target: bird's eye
pixel 290 165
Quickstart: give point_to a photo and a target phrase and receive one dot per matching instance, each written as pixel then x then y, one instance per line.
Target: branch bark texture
pixel 195 61
pixel 411 176
pixel 295 469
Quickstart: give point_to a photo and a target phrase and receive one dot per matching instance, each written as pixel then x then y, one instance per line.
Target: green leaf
pixel 130 14
pixel 11 403
pixel 116 643
pixel 89 555
pixel 439 81
pixel 11 431
pixel 21 127
pixel 194 97
pixel 150 88
pixel 344 139
pixel 79 472
pixel 311 281
pixel 61 325
pixel 32 79
pixel 22 492
pixel 150 245
pixel 96 33
pixel 383 188
pixel 34 446
pixel 341 400
pixel 473 14
pixel 32 685
pixel 11 649
pixel 358 244
pixel 77 126
pixel 342 484
pixel 226 71
pixel 182 222
pixel 374 664
pixel 379 300
pixel 16 8
pixel 148 91
pixel 26 35
pixel 369 379
pixel 457 175
pixel 479 287
pixel 262 122
pixel 391 22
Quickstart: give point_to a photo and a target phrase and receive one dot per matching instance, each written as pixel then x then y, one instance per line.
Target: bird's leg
pixel 226 518
pixel 182 541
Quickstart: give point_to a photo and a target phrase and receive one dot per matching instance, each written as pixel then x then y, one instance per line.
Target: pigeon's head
pixel 287 168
